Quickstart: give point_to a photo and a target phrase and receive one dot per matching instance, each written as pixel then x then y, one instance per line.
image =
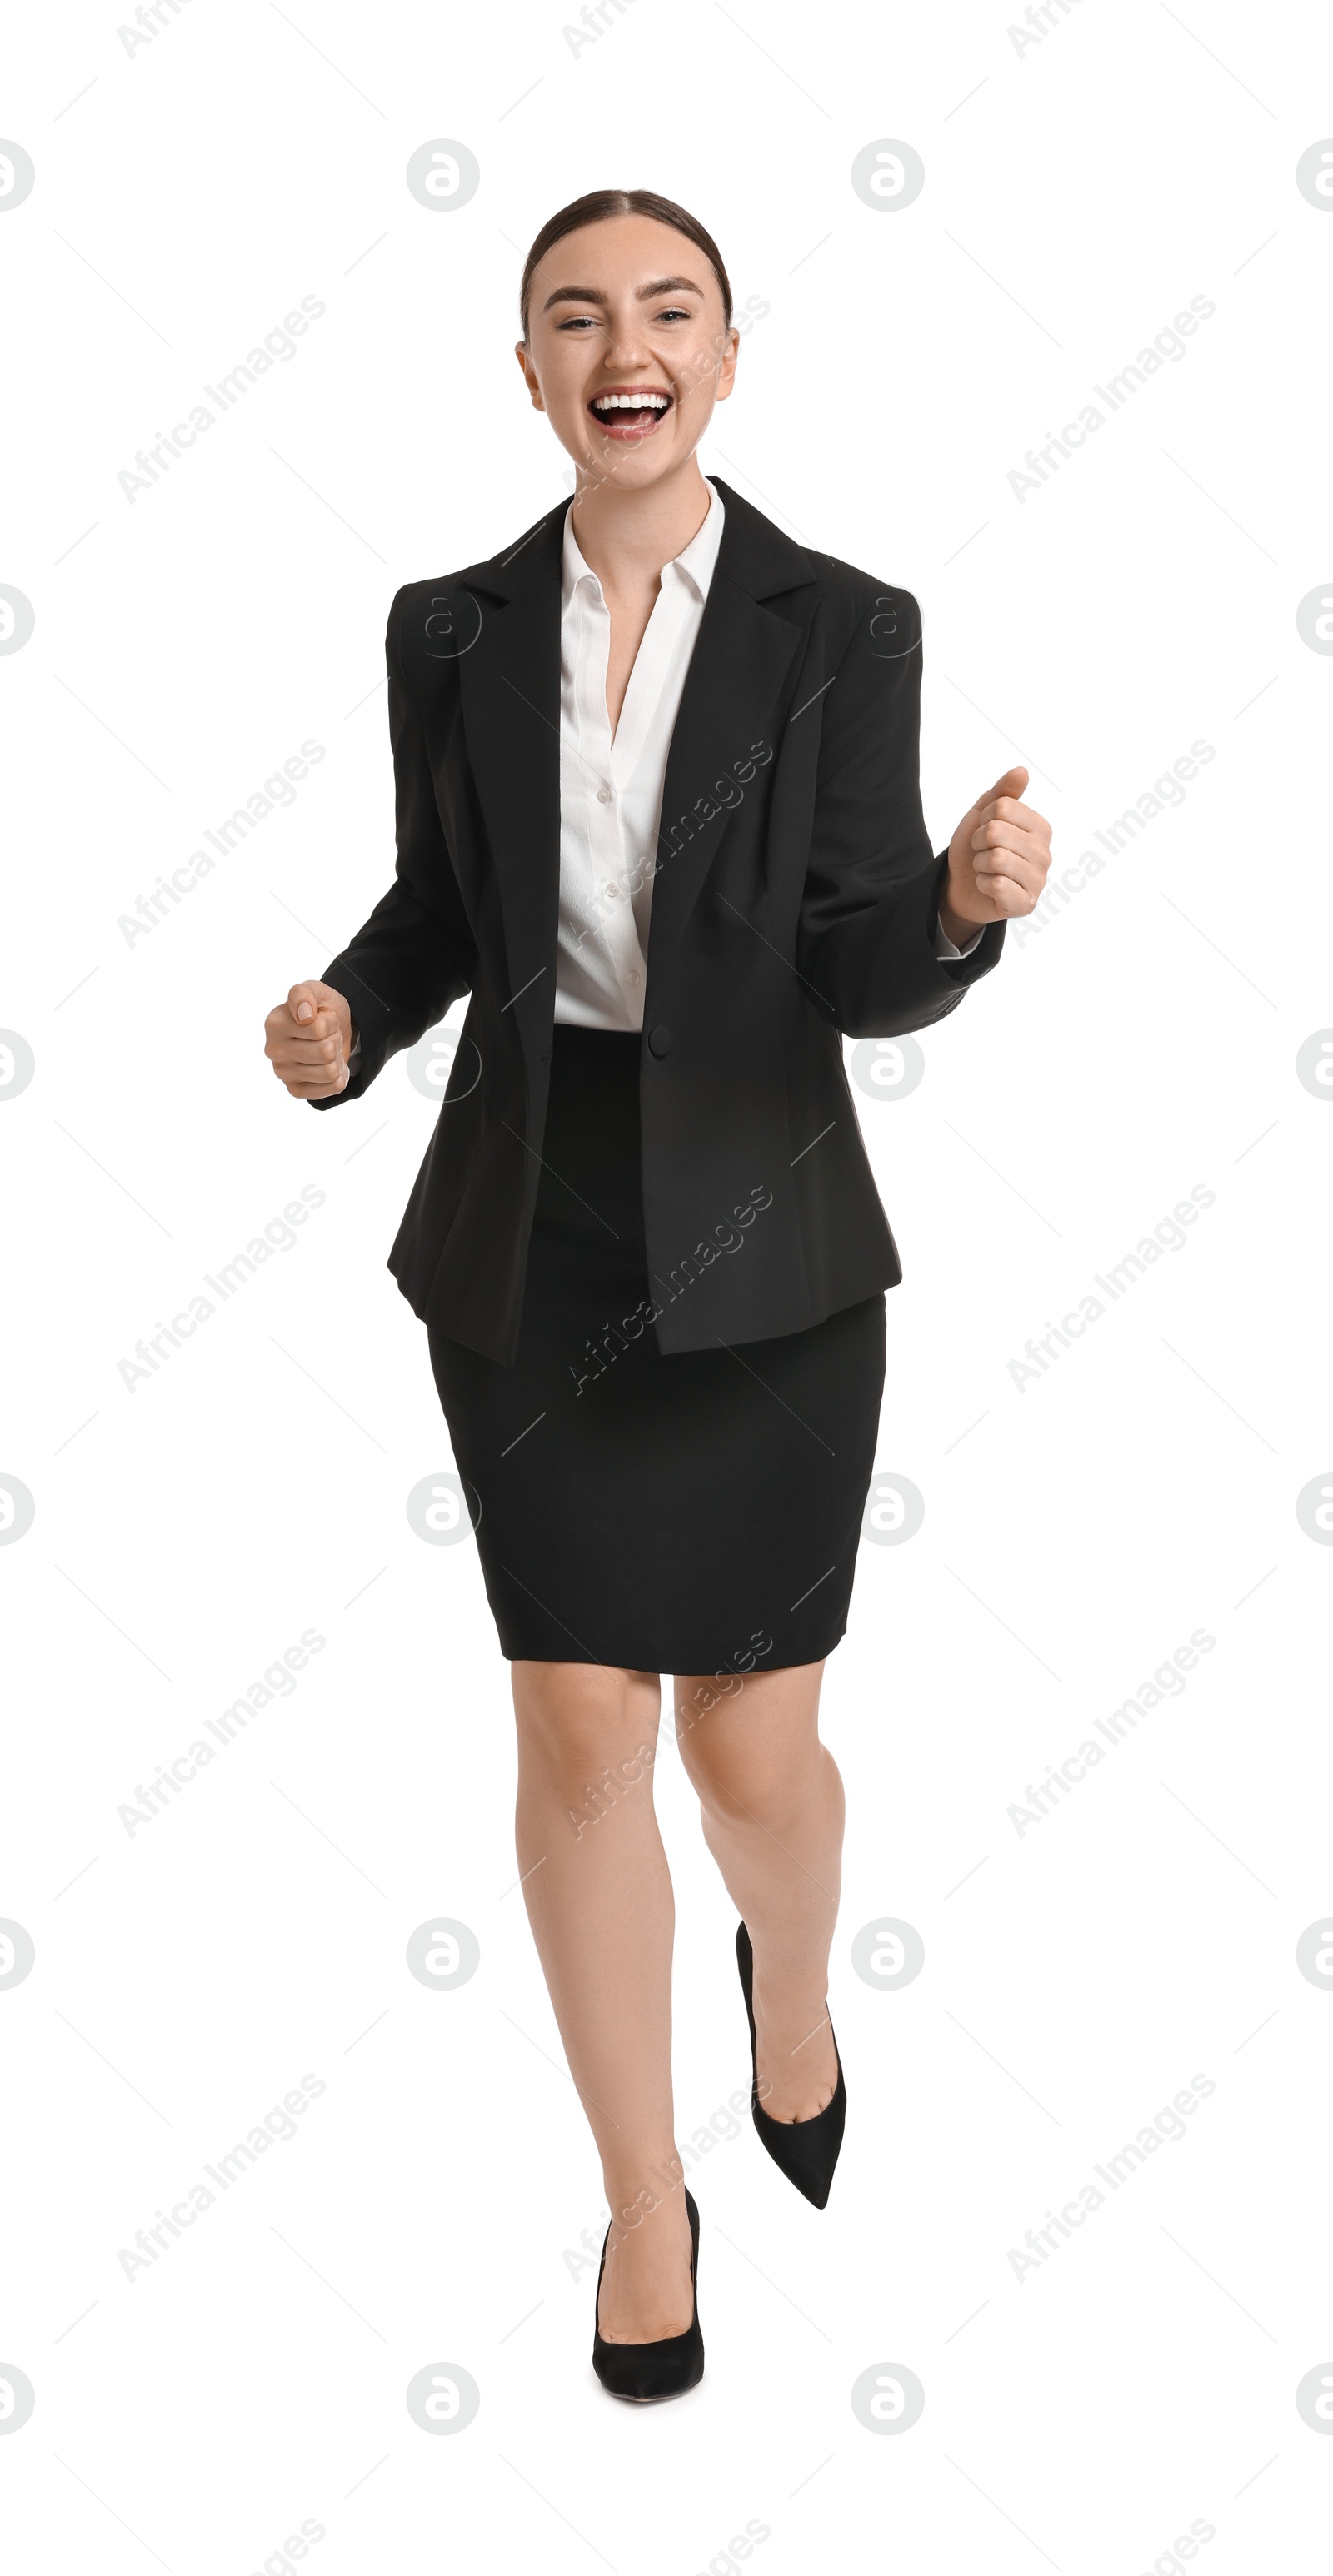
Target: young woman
pixel 659 814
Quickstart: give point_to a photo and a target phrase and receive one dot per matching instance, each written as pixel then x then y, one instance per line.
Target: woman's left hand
pixel 998 859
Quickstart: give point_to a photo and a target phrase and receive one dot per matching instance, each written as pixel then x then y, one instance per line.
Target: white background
pixel 1078 194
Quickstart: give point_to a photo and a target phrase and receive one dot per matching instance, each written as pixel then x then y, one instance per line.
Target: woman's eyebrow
pixel 594 295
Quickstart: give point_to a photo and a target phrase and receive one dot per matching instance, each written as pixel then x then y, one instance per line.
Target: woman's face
pixel 627 309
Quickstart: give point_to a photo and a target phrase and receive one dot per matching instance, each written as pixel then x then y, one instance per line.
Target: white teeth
pixel 631 402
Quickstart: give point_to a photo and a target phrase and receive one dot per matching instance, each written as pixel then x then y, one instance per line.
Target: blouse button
pixel 603 795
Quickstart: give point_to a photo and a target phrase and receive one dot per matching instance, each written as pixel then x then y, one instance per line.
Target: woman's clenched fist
pixel 308 1040
pixel 998 859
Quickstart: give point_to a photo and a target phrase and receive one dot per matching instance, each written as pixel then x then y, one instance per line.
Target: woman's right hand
pixel 308 1039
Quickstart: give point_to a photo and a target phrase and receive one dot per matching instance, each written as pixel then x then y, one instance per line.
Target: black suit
pixel 794 899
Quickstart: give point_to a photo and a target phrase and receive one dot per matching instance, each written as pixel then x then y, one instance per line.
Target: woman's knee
pixel 578 1721
pixel 751 1772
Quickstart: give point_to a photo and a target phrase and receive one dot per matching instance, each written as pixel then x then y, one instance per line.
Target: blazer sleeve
pixel 416 953
pixel 873 884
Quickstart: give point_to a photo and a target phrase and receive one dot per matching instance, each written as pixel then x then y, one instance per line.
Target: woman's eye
pixel 674 313
pixel 578 322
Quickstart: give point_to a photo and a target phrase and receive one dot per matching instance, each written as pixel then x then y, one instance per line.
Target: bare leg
pixel 599 1900
pixel 772 1817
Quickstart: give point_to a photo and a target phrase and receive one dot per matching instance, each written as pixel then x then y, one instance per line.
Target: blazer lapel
pixel 510 688
pixel 740 661
pixel 743 655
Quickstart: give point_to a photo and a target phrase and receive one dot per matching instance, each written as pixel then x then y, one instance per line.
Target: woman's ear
pixel 529 374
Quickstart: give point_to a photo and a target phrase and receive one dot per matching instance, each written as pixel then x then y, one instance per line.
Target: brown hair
pixel 599 208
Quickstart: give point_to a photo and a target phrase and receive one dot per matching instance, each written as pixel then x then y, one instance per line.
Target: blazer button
pixel 659 1041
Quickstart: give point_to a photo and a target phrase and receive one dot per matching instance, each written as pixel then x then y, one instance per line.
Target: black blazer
pixel 794 900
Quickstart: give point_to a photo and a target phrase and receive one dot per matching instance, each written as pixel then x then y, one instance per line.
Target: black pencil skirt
pixel 680 1514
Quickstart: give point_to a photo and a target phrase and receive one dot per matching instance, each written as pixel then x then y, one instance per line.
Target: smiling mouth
pixel 633 412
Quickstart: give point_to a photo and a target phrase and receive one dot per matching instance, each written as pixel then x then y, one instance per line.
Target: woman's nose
pixel 625 346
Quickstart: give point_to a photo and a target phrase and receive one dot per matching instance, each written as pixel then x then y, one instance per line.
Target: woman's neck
pixel 626 537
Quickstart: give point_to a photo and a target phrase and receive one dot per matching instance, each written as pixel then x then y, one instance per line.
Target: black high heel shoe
pixel 645 2372
pixel 806 2151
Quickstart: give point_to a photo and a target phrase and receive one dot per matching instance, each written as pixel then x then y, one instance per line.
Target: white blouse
pixel 611 784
